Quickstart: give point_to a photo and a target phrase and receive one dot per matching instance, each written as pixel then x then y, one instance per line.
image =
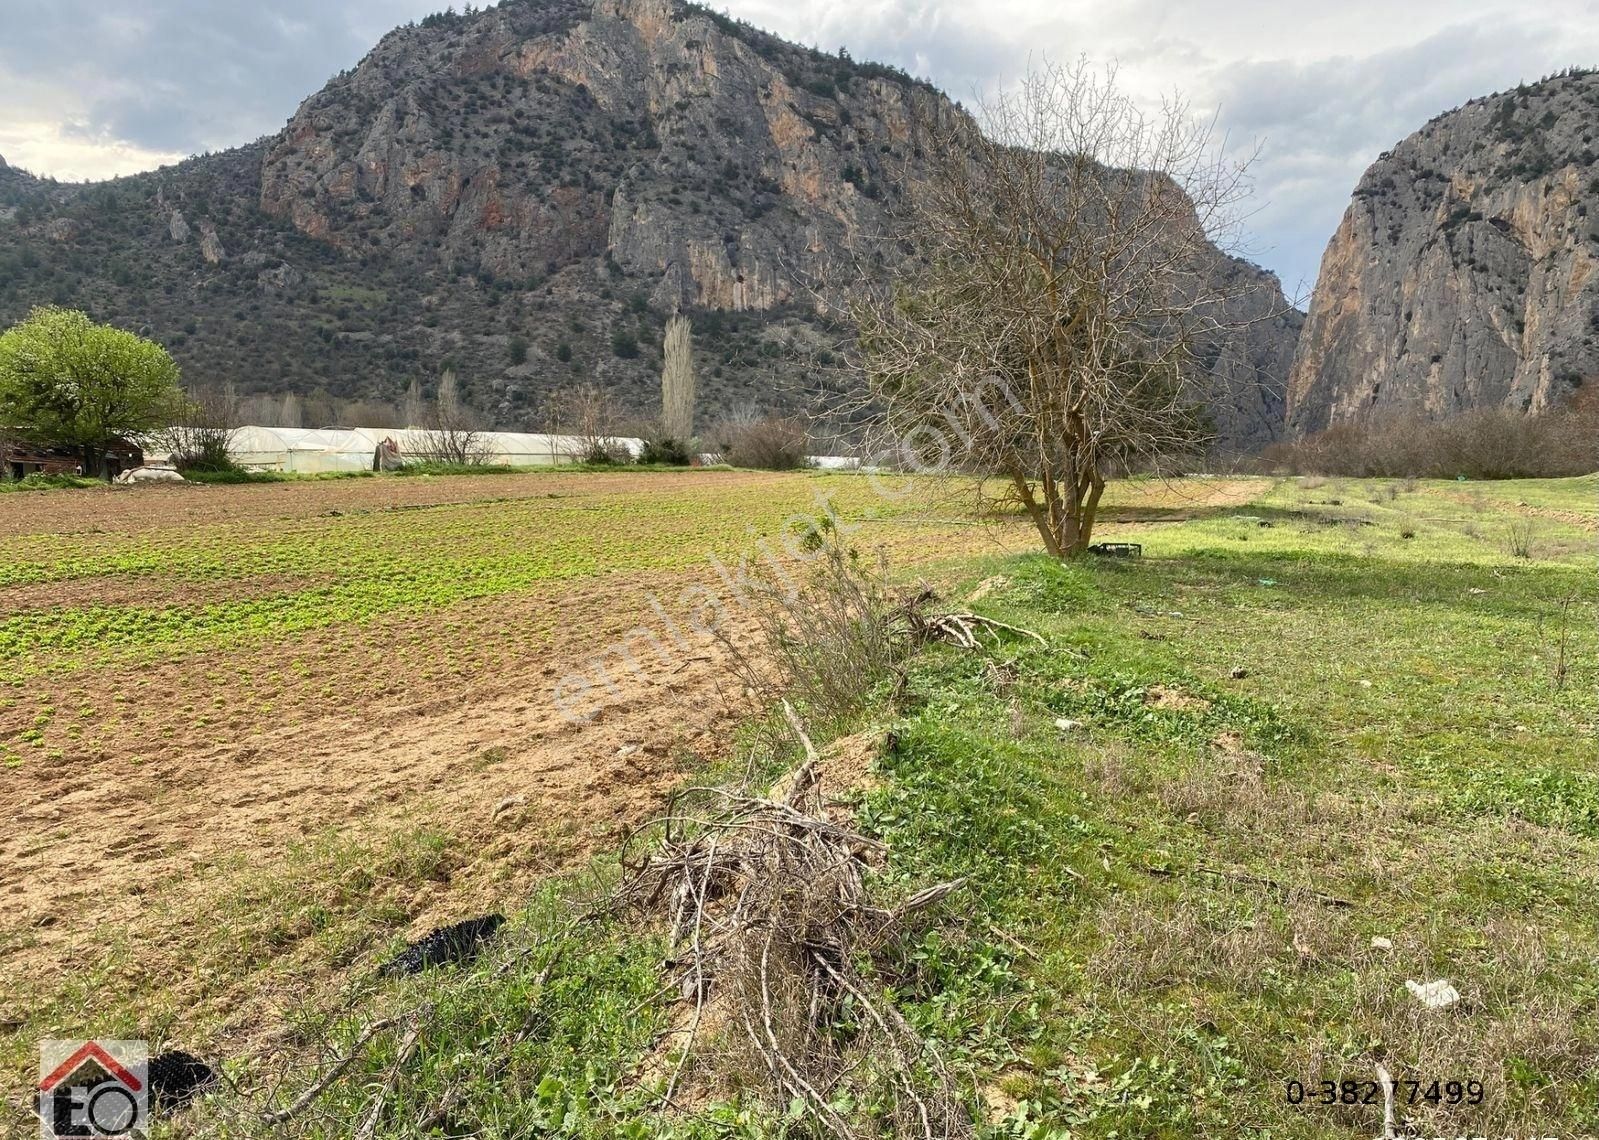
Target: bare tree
pixel 453 434
pixel 588 415
pixel 1046 330
pixel 770 443
pixel 414 408
pixel 200 438
pixel 289 414
pixel 677 381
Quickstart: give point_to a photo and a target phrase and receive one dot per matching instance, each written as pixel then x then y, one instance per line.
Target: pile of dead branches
pixel 774 937
pixel 958 628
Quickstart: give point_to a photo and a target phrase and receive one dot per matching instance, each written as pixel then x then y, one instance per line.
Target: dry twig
pixel 309 1096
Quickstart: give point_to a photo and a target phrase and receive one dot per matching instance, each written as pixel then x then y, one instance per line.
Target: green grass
pixel 1172 900
pixel 1399 742
pixel 239 476
pixel 48 483
pixel 380 561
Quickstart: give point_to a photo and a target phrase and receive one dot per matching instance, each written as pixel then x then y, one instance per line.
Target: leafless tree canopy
pixel 1044 329
pixel 768 443
pixel 1484 443
pixel 414 410
pixel 588 414
pixel 454 432
pixel 202 431
pixel 290 414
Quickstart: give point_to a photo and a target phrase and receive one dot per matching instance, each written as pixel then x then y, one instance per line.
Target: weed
pixel 1519 535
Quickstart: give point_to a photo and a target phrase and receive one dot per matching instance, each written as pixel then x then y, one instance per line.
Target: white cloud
pixel 68 151
pixel 1324 88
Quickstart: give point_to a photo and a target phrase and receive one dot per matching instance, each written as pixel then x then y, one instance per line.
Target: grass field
pixel 304 720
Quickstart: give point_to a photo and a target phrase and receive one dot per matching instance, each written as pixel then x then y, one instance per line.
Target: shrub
pixel 42 482
pixel 826 630
pixel 605 453
pixel 1519 534
pixel 770 444
pixel 666 451
pixel 1486 443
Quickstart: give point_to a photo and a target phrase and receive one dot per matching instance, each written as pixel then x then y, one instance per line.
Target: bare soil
pixel 186 775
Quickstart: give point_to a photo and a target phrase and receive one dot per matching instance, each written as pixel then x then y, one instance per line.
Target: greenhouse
pixel 322 450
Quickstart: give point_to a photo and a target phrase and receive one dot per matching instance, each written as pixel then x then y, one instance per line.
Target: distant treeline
pixel 1489 443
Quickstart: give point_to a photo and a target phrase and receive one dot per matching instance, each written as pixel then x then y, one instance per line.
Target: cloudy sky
pixel 89 89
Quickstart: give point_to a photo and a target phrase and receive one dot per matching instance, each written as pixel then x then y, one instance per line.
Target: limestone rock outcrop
pixel 1463 273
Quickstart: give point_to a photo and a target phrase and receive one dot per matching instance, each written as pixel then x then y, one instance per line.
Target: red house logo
pixel 92 1088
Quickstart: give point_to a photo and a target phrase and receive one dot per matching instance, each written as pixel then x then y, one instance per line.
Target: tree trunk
pixel 93 463
pixel 1040 520
pixel 1077 530
pixel 1091 509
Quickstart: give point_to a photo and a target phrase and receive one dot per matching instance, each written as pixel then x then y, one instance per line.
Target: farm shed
pixel 20 458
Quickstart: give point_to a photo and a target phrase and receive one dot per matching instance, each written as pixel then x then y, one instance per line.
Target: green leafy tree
pixel 67 381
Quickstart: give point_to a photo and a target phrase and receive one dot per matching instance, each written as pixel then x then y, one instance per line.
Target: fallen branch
pixel 309 1096
pixel 407 1049
pixel 958 628
pixel 1256 880
pixel 995 929
pixel 1273 884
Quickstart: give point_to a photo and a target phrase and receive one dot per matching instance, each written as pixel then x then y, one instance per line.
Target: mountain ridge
pixel 524 194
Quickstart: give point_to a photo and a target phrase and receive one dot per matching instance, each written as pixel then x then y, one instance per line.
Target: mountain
pixel 1462 275
pixel 524 194
pixel 14 184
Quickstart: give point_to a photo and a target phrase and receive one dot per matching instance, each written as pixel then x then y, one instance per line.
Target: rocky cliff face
pixel 1462 275
pixel 712 162
pixel 527 192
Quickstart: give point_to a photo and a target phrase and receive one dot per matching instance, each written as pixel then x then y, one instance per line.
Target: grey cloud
pixel 1324 122
pixel 190 74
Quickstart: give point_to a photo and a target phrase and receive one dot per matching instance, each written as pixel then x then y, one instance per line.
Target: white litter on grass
pixel 1378 942
pixel 1364 684
pixel 1068 725
pixel 1433 995
pixel 150 475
